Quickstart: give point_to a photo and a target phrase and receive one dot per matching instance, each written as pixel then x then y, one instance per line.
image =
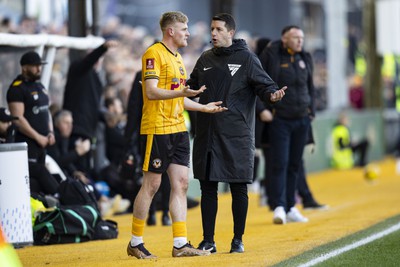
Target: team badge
pixel 35 96
pixel 181 70
pixel 157 163
pixel 302 64
pixel 150 64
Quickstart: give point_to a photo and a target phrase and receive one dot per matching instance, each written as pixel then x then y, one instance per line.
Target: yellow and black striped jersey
pixel 163 116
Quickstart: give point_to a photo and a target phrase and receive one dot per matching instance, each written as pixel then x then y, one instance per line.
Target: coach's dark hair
pixel 228 19
pixel 288 28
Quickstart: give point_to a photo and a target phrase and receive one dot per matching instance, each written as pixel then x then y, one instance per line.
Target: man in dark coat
pixel 224 143
pixel 82 95
pixel 289 65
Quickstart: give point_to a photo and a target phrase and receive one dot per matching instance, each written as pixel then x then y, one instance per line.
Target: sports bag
pixel 65 224
pixel 74 192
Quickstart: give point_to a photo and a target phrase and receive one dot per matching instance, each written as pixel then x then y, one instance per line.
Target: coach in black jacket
pixel 289 65
pixel 223 148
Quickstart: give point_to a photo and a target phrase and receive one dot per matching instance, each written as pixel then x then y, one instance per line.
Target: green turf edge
pixel 324 249
pixel 384 251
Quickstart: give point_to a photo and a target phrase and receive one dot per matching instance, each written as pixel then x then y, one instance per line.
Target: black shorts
pixel 158 151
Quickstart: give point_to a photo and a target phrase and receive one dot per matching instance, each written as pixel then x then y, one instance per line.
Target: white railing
pixel 50 42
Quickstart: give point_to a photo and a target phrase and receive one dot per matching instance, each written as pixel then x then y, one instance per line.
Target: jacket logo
pixel 233 68
pixel 204 69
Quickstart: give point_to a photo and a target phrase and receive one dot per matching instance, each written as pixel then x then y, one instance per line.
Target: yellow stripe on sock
pixel 137 226
pixel 179 229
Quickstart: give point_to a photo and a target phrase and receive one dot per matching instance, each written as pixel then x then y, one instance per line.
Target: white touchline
pixel 364 241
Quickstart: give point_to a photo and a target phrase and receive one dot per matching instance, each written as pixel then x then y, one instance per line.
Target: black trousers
pixel 361 149
pixel 209 208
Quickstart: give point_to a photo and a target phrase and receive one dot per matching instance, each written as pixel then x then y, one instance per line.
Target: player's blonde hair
pixel 172 17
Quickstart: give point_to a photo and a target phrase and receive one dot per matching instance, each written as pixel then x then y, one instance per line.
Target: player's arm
pixel 155 93
pixel 212 107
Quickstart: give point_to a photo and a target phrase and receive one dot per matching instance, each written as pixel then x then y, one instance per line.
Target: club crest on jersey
pixel 233 68
pixel 150 64
pixel 181 70
pixel 302 64
pixel 157 163
pixel 35 95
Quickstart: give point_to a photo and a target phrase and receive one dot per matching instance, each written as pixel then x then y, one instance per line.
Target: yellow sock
pixel 179 229
pixel 137 226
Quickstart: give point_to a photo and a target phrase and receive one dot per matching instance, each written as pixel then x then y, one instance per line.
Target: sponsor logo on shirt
pixel 39 109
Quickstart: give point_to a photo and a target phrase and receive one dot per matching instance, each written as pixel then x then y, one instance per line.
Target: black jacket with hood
pixel 224 142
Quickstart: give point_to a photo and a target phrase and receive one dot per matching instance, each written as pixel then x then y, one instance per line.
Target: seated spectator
pixel 7 129
pixel 66 157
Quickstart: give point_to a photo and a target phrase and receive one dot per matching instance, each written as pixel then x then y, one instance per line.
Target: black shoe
pixel 151 220
pixel 166 220
pixel 209 246
pixel 314 205
pixel 237 246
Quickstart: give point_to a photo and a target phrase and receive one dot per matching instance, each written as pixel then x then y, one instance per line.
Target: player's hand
pixel 187 92
pixel 278 95
pixel 214 107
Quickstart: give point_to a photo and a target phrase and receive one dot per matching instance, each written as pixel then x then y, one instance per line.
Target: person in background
pixel 223 148
pixel 288 64
pixel 29 101
pixel 164 135
pixel 67 157
pixel 264 117
pixel 344 148
pixel 115 126
pixel 83 91
pixel 7 130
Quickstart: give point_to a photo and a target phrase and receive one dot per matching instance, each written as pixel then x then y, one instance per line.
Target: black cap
pixel 31 58
pixel 5 115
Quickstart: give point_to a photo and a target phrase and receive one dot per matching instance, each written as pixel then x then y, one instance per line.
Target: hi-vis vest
pixel 342 158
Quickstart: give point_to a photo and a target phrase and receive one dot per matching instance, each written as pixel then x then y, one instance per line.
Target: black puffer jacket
pixel 225 140
pixel 295 72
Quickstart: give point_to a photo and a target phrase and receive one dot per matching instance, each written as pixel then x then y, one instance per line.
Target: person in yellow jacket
pixel 344 148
